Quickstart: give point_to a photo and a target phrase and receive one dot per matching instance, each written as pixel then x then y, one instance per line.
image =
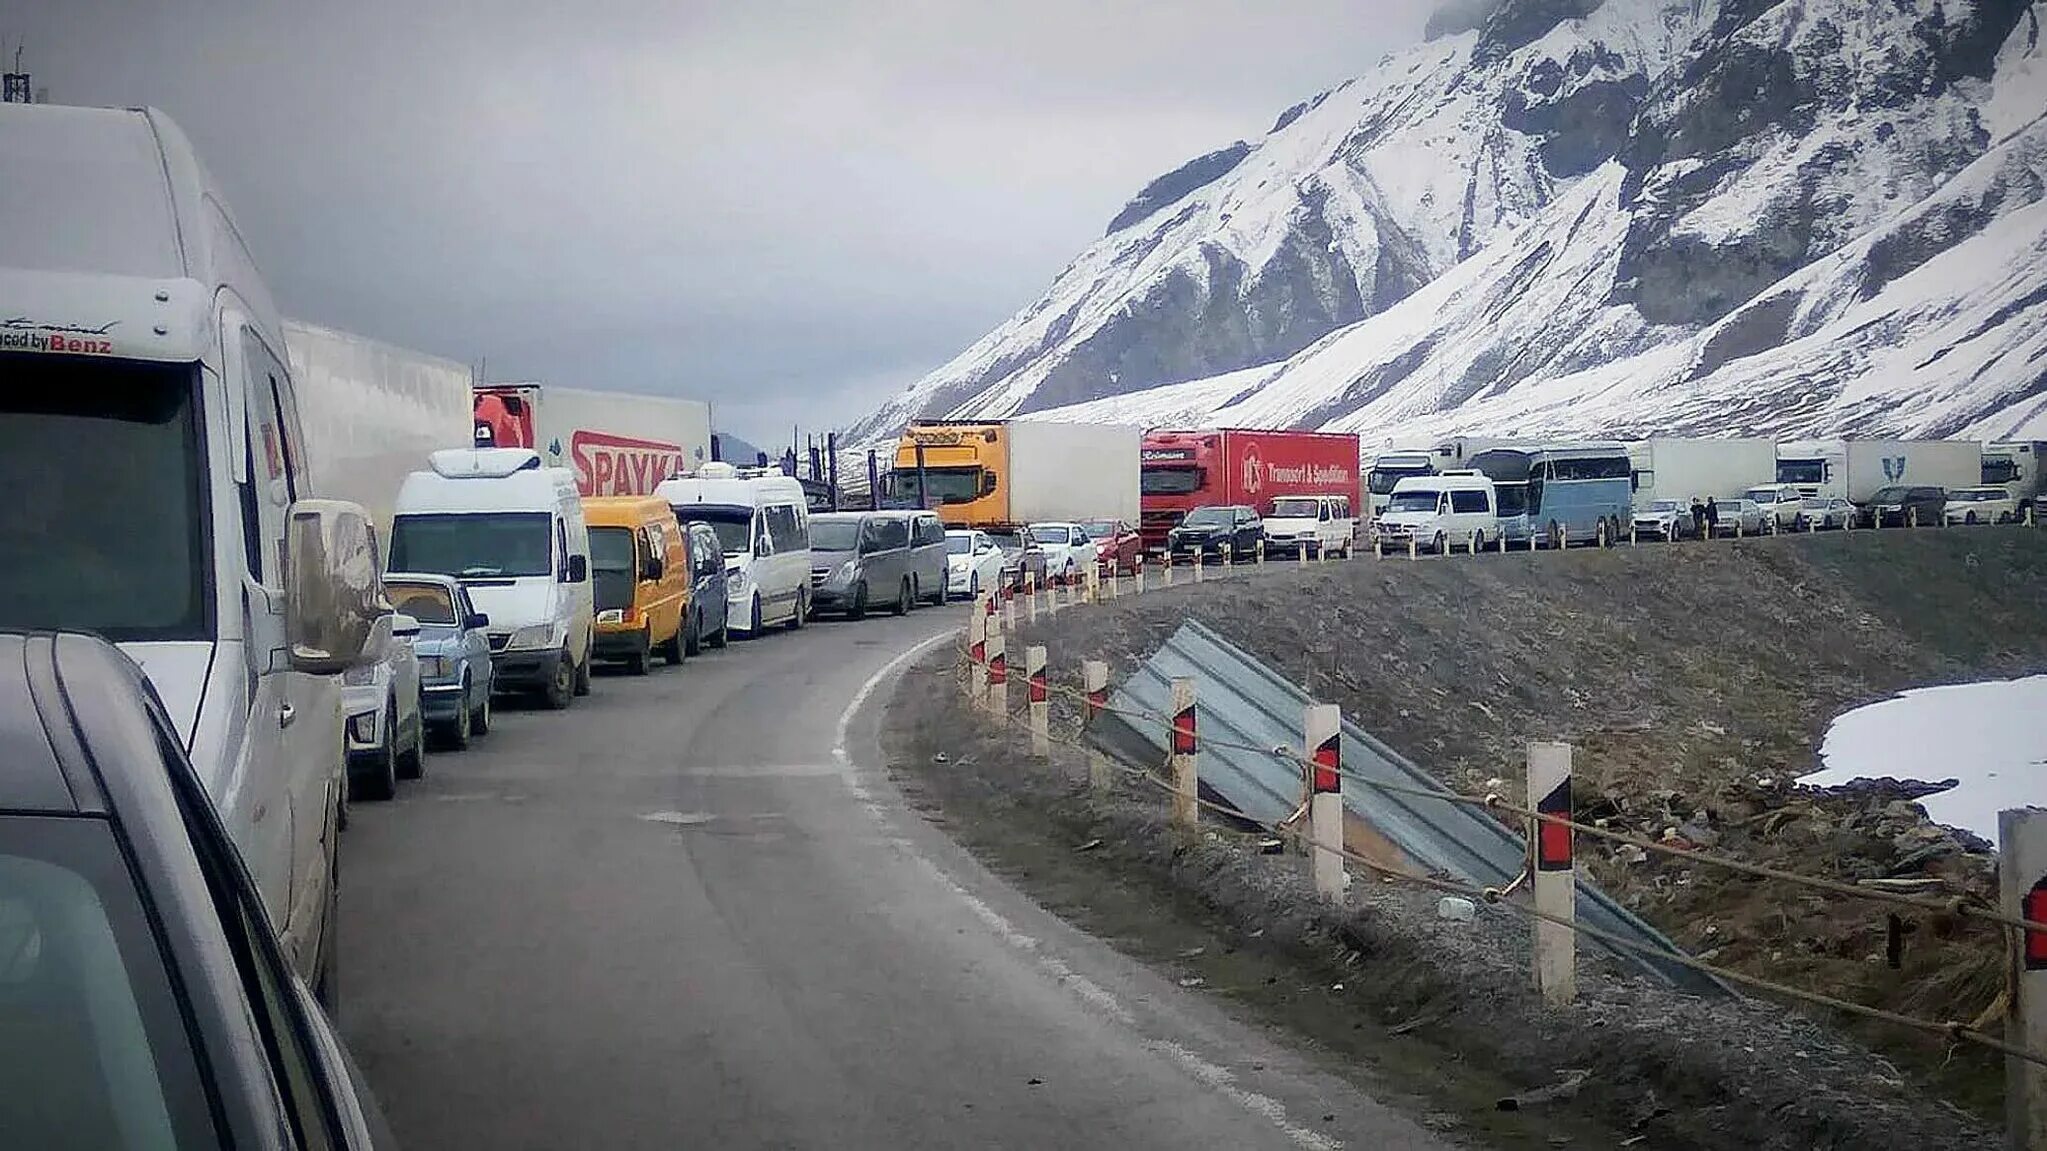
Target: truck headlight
pixel 533 635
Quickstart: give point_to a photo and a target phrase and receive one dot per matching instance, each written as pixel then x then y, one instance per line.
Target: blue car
pixel 454 654
pixel 706 587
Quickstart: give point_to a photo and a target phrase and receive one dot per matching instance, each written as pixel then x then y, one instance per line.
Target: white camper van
pixel 513 533
pixel 150 435
pixel 763 520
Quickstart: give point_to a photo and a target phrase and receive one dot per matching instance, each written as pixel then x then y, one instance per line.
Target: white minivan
pixel 513 532
pixel 1441 512
pixel 150 435
pixel 1320 525
pixel 763 521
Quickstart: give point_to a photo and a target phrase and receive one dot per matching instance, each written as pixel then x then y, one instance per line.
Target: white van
pixel 1322 525
pixel 513 532
pixel 763 521
pixel 149 431
pixel 1441 512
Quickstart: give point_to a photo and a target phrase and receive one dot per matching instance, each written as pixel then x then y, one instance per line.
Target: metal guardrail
pixel 1242 701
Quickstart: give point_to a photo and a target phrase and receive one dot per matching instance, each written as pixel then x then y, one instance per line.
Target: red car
pixel 1120 545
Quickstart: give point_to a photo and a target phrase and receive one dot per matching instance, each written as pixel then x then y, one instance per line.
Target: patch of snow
pixel 1986 736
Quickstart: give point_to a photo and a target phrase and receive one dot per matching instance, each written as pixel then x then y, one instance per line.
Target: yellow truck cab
pixel 641 579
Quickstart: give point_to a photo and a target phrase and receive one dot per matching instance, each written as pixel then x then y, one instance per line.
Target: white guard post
pixel 1041 701
pixel 1186 749
pixel 1554 881
pixel 2022 838
pixel 1323 732
pixel 977 655
pixel 1094 681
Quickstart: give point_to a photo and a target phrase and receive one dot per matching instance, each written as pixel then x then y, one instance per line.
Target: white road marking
pixel 678 818
pixel 1212 1075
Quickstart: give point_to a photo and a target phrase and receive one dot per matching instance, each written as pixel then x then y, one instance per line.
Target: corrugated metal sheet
pixel 1240 700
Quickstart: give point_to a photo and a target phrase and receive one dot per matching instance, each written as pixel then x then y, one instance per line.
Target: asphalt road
pixel 692 911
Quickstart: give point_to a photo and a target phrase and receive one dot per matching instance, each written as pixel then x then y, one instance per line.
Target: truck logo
pixel 1254 472
pixel 608 465
pixel 1164 455
pixel 19 333
pixel 1894 468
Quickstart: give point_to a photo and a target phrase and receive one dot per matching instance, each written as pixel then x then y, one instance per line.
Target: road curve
pixel 692 911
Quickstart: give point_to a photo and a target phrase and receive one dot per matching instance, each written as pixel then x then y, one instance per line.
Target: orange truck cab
pixel 640 579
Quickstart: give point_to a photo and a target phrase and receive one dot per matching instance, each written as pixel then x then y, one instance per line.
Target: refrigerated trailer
pixel 1855 470
pixel 1685 470
pixel 617 443
pixel 1184 470
pixel 1007 473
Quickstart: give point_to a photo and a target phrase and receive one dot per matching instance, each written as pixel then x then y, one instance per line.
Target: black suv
pixel 1904 506
pixel 1218 529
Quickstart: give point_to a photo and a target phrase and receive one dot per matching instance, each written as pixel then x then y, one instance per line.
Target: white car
pixel 1069 550
pixel 1831 512
pixel 1742 515
pixel 381 713
pixel 1781 501
pixel 972 562
pixel 1981 506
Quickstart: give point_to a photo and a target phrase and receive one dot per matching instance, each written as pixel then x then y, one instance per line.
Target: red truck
pixel 1183 470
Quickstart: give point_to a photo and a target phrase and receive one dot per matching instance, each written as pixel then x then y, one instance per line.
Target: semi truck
pixel 1684 470
pixel 1008 473
pixel 2016 467
pixel 1388 468
pixel 373 413
pixel 617 443
pixel 1855 470
pixel 1187 469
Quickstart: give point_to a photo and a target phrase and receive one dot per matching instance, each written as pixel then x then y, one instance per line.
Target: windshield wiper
pixel 480 570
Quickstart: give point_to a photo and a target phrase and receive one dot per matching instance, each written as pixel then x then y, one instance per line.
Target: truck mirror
pixel 336 616
pixel 579 569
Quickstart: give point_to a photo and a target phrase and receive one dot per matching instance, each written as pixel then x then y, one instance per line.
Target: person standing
pixel 1712 517
pixel 1698 518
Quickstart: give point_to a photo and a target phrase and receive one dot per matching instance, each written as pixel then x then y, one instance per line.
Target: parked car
pixel 707 596
pixel 859 559
pixel 147 998
pixel 453 651
pixel 1742 516
pixel 1820 513
pixel 1665 520
pixel 930 561
pixel 1320 524
pixel 1068 550
pixel 1022 557
pixel 1119 547
pixel 1981 506
pixel 639 581
pixel 972 562
pixel 1902 505
pixel 1221 529
pixel 386 731
pixel 1781 502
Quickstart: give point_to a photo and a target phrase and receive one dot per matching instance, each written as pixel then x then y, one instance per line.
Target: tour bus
pixel 762 518
pixel 1560 494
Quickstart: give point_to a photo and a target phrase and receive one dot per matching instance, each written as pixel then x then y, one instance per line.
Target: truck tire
pixel 561 688
pixel 1557 539
pixel 905 597
pixel 1600 536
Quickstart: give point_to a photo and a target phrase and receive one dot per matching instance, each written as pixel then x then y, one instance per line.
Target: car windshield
pixel 1413 501
pixel 1975 496
pixel 955 545
pixel 429 603
pixel 1007 541
pixel 1168 481
pixel 1761 495
pixel 1049 534
pixel 834 535
pixel 474 545
pixel 106 529
pixel 94 1052
pixel 1298 509
pixel 734 526
pixel 1209 518
pixel 1665 506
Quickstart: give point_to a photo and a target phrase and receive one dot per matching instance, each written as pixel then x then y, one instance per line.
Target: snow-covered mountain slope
pixel 1354 200
pixel 1827 219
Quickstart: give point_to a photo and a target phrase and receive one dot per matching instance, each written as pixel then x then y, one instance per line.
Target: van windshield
pixel 1296 508
pixel 834 535
pixel 734 526
pixel 1175 481
pixel 474 545
pixel 106 530
pixel 1413 501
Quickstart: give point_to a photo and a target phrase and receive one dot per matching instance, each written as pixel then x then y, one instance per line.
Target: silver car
pixel 1821 514
pixel 381 713
pixel 1740 516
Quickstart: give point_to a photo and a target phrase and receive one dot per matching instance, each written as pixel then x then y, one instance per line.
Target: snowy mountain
pixel 1740 216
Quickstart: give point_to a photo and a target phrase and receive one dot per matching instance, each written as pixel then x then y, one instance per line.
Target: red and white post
pixel 1041 701
pixel 1186 752
pixel 2022 877
pixel 1094 681
pixel 1009 608
pixel 1031 596
pixel 977 655
pixel 998 676
pixel 1554 881
pixel 1323 740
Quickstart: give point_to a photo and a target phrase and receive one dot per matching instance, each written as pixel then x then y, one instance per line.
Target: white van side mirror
pixel 335 614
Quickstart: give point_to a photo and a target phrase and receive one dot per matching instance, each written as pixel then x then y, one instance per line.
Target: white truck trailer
pixel 1855 470
pixel 1066 472
pixel 2017 468
pixel 373 413
pixel 1684 470
pixel 617 443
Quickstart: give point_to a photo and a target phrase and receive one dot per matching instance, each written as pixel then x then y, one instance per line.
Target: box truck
pixel 374 413
pixel 1684 470
pixel 141 349
pixel 1184 470
pixel 617 443
pixel 1007 473
pixel 1854 470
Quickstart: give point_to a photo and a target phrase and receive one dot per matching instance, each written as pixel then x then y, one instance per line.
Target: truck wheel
pixel 561 687
pixel 905 598
pixel 583 672
pixel 1557 539
pixel 1599 534
pixel 636 659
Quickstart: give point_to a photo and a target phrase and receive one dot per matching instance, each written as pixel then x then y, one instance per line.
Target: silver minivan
pixel 861 560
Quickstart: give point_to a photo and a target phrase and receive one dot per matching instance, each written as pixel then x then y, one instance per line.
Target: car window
pixel 1467 501
pixel 93 1052
pixel 895 533
pixel 427 603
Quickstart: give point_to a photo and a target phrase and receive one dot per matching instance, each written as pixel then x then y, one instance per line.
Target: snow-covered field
pixel 1991 738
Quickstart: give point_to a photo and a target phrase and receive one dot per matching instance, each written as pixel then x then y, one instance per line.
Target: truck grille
pixel 818 576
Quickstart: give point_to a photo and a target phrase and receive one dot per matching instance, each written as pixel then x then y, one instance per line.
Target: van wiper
pixel 479 570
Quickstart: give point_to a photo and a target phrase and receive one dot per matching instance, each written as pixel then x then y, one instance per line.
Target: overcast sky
pixel 788 209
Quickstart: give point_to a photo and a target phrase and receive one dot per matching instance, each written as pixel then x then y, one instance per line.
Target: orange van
pixel 640 578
